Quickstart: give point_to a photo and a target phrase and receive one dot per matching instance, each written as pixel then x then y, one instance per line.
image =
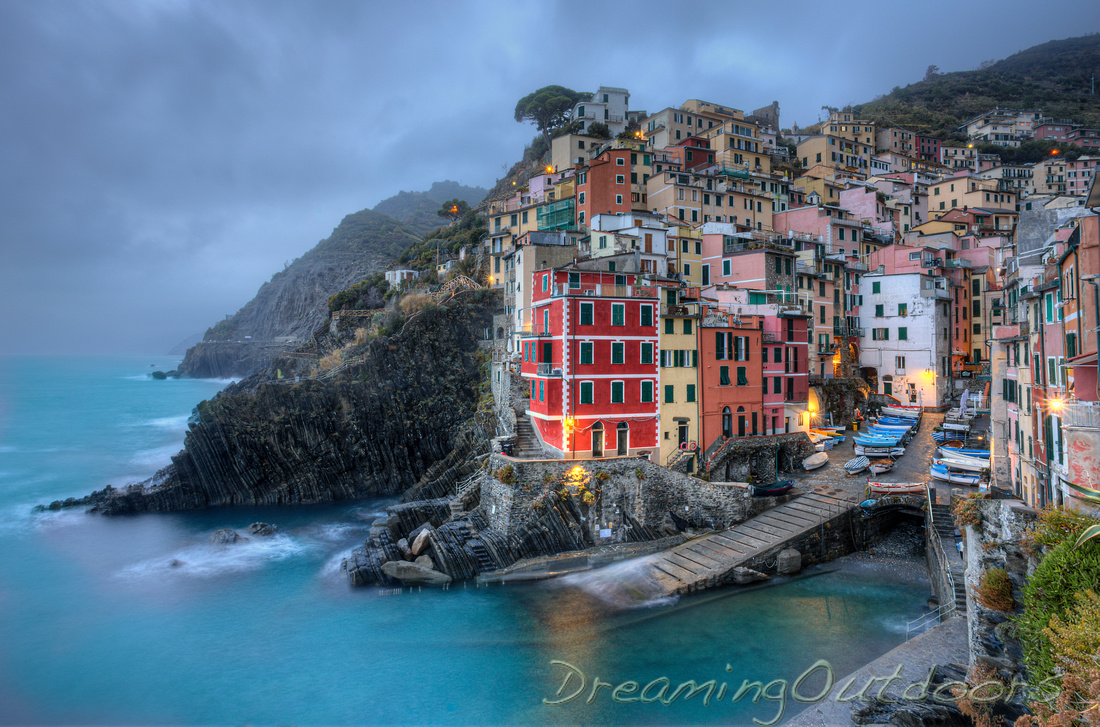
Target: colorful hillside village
pixel 695 277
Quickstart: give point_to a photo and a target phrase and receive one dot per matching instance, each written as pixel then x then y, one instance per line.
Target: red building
pixel 927 148
pixel 730 373
pixel 591 358
pixel 603 187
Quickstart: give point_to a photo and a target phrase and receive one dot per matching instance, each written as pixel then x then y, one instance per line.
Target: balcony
pixel 605 291
pixel 770 337
pixel 535 332
pixel 549 369
pixel 1081 414
pixel 959 263
pixel 942 293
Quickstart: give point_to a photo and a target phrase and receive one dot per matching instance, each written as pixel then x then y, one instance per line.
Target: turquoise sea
pixel 97 627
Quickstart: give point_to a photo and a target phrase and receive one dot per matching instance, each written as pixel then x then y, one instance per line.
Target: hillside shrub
pixel 331 360
pixel 968 510
pixel 1076 637
pixel 506 474
pixel 1052 591
pixel 416 303
pixel 1055 525
pixel 994 590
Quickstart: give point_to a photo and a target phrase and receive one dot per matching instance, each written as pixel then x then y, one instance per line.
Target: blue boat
pixel 875 442
pixel 948 451
pixel 939 472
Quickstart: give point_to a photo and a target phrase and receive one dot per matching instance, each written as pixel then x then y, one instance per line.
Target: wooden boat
pixel 953 444
pixel 880 451
pixel 857 465
pixel 776 488
pixel 966 464
pixel 879 466
pixel 815 460
pixel 827 430
pixel 896 488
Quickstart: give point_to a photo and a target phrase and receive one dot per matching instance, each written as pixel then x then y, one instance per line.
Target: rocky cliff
pixel 290 306
pixel 374 429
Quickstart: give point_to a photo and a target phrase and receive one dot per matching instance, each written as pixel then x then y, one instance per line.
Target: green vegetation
pixel 1054 77
pixel 446 241
pixel 223 330
pixel 419 211
pixel 506 474
pixel 364 295
pixel 1032 151
pixel 453 209
pixel 599 130
pixel 1053 596
pixel 366 232
pixel 548 108
pixel 995 590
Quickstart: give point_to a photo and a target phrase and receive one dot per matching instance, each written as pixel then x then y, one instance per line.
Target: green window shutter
pixel 669 325
pixel 574 280
pixel 691 392
pixel 886 334
pixel 618 314
pixel 876 287
pixel 903 309
pixel 677 358
pixel 617 352
pixel 742 379
pixel 616 392
pixel 694 359
pixel 586 392
pixel 586 314
pixel 874 334
pixel 586 352
pixel 687 326
pixel 611 267
pixel 647 353
pixel 647 315
pixel 724 375
pixel 737 348
pixel 542 396
pixel 647 392
pixel 668 394
pixel 879 310
pixel 778 385
pixel 903 334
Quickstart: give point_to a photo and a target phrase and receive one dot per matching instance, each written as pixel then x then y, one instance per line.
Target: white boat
pixel 967 464
pixel 880 451
pixel 879 466
pixel 898 411
pixel 815 460
pixel 956 478
pixel 896 488
pixel 857 465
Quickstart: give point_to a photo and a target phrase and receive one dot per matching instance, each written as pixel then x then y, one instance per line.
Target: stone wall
pixel 626 492
pixel 760 458
pixel 841 397
pixel 509 396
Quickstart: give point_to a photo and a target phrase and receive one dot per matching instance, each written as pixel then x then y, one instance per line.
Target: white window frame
pixel 611 391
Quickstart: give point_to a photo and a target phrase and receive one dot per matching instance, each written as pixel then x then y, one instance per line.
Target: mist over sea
pixel 142 620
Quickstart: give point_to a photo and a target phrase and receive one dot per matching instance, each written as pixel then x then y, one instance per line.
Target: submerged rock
pixel 226 536
pixel 262 529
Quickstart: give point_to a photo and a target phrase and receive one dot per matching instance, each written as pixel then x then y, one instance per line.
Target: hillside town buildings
pixel 695 282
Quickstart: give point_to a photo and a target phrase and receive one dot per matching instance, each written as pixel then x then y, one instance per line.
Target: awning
pixel 1088 359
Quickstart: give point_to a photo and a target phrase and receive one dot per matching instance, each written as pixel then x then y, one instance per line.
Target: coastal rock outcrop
pixel 373 430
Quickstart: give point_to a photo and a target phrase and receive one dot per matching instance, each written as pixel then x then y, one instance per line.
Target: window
pixel 726 268
pixel 545 283
pixel 542 393
pixel 618 199
pixel 880 334
pixel 574 281
pixel 647 353
pixel 903 309
pixel 724 375
pixel 706 274
pixel 903 334
pixel 647 392
pixel 899 363
pixel 879 310
pixel 669 325
pixel 620 179
pixel 586 392
pixel 778 385
pixel 690 393
pixel 586 352
pixel 646 315
pixel 742 378
pixel 620 162
pixel 618 352
pixel 687 326
pixel 669 397
pixel 618 314
pixel 877 287
pixel 586 314
pixel 687 269
pixel 616 392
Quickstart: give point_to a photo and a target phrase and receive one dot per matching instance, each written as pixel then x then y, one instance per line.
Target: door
pixel 681 434
pixel 597 439
pixel 547 352
pixel 887 388
pixel 622 439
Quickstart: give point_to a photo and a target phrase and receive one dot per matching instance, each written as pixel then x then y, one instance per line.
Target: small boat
pixel 896 488
pixel 953 443
pixel 880 451
pixel 827 430
pixel 776 488
pixel 879 466
pixel 857 465
pixel 946 451
pixel 815 460
pixel 966 464
pixel 877 441
pixel 940 472
pixel 868 504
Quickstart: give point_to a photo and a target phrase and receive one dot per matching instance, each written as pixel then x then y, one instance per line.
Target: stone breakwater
pixel 374 430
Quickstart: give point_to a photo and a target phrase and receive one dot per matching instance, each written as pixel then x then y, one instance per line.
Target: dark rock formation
pixel 374 430
pixel 262 529
pixel 225 536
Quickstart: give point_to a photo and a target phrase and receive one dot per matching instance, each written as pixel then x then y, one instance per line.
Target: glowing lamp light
pixel 549 170
pixel 568 423
pixel 813 407
pixel 1055 404
pixel 928 372
pixel 1054 152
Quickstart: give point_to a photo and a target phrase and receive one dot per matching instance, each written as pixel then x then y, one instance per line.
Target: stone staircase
pixel 708 561
pixel 527 444
pixel 944 523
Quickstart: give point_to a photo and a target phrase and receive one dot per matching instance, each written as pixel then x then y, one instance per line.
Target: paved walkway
pixel 706 562
pixel 944 644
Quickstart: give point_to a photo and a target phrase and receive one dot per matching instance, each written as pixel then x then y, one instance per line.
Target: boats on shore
pixel 966 464
pixel 949 451
pixel 895 488
pixel 939 472
pixel 879 466
pixel 774 489
pixel 857 465
pixel 879 451
pixel 814 461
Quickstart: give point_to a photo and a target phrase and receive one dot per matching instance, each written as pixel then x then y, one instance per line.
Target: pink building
pixel 1079 174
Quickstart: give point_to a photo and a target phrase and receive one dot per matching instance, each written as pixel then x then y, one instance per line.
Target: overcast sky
pixel 161 159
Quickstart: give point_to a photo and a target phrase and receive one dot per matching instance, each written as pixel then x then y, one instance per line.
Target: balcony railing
pixel 770 337
pixel 1081 414
pixel 535 332
pixel 605 291
pixel 549 369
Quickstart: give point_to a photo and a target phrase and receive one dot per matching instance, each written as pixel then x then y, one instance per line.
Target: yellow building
pixel 969 191
pixel 848 126
pixel 837 152
pixel 685 254
pixel 679 373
